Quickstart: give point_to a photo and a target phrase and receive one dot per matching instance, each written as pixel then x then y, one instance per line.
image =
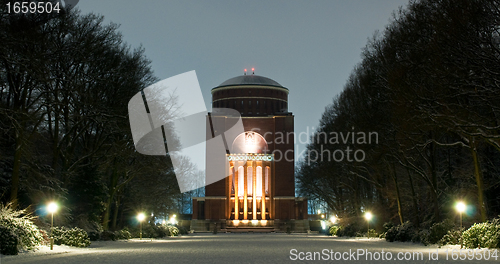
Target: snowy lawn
pixel 251 248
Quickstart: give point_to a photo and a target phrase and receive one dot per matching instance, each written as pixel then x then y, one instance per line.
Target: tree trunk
pixel 115 212
pixel 398 197
pixel 479 180
pixel 16 171
pixel 414 200
pixel 434 191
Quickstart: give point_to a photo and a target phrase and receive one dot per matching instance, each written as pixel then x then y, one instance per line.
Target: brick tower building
pixel 259 192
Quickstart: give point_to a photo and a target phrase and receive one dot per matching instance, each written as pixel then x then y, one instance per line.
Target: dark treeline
pixel 429 85
pixel 65 82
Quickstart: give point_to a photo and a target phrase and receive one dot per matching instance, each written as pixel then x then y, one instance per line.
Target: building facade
pixel 259 191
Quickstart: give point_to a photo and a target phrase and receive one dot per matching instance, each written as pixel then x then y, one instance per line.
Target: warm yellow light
pixel 263 222
pixel 319 211
pixel 368 216
pixel 174 216
pixel 244 221
pixel 333 219
pixel 141 217
pixel 52 207
pixel 322 216
pixel 163 222
pixel 255 222
pixel 460 207
pixel 236 222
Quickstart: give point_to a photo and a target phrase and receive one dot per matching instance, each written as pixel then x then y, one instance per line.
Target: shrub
pixel 94 235
pixel 373 233
pixel 403 232
pixel 421 237
pixel 333 230
pixel 20 223
pixel 182 230
pixel 453 237
pixel 173 230
pixel 123 234
pixel 108 235
pixel 349 230
pixel 8 241
pixel 438 230
pixel 387 226
pixel 482 235
pixel 75 237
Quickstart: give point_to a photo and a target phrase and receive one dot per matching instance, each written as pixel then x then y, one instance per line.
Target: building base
pixel 256 226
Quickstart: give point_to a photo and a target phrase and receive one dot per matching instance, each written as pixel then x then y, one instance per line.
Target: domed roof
pixel 250 80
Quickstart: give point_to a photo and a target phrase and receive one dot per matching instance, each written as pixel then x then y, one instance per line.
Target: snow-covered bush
pixel 108 235
pixel 173 230
pixel 8 241
pixel 421 236
pixel 438 230
pixel 453 237
pixel 333 230
pixel 20 223
pixel 403 232
pixel 123 234
pixel 349 230
pixel 75 237
pixel 482 235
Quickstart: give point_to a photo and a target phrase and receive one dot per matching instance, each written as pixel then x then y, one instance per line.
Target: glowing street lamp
pixel 333 219
pixel 173 220
pixel 460 207
pixel 52 208
pixel 140 218
pixel 368 217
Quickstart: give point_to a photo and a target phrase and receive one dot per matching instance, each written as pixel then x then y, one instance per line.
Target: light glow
pixel 333 219
pixel 323 225
pixel 263 222
pixel 244 221
pixel 460 207
pixel 173 219
pixel 141 217
pixel 236 222
pixel 255 222
pixel 368 216
pixel 52 207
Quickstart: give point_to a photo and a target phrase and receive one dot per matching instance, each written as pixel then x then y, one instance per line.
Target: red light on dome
pixel 253 69
pixel 245 70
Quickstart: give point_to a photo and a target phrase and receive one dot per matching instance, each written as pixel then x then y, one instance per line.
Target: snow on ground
pixel 243 248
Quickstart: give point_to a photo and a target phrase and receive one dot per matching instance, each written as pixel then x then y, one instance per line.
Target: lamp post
pixel 140 218
pixel 368 217
pixel 52 208
pixel 460 207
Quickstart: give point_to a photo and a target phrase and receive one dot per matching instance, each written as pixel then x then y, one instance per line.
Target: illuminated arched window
pixel 231 176
pixel 241 181
pixel 258 180
pixel 249 181
pixel 267 180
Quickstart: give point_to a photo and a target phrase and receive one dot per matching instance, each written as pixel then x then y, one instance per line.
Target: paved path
pixel 240 248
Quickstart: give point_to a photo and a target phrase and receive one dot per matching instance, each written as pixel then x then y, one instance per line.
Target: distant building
pixel 259 192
